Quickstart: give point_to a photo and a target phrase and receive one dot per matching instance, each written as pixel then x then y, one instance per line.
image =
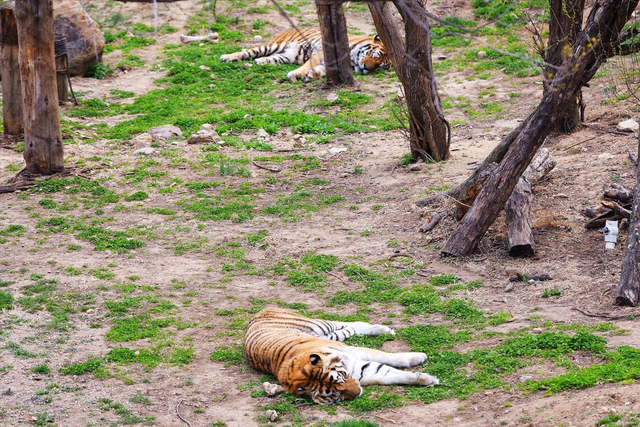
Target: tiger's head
pixel 323 378
pixel 368 57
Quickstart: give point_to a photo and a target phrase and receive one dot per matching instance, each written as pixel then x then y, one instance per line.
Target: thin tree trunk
pixel 43 139
pixel 603 26
pixel 629 285
pixel 428 129
pixel 565 23
pixel 335 43
pixel 11 87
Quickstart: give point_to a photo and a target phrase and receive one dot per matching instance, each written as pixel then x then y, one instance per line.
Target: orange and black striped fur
pixel 304 47
pixel 308 359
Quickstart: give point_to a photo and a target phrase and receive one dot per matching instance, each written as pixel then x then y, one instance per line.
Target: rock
pixel 85 41
pixel 247 117
pixel 337 150
pixel 262 133
pixel 272 415
pixel 442 57
pixel 142 140
pixel 416 167
pixel 204 136
pixel 332 97
pixel 146 151
pixel 257 38
pixel 482 54
pixel 165 132
pixel 205 68
pixel 207 127
pixel 628 126
pixel 272 389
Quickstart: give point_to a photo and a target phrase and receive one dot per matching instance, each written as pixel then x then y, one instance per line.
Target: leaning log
pixel 11 86
pixel 629 286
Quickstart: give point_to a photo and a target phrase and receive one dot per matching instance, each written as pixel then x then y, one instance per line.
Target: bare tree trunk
pixel 335 43
pixel 603 28
pixel 428 129
pixel 565 23
pixel 11 87
pixel 43 140
pixel 629 285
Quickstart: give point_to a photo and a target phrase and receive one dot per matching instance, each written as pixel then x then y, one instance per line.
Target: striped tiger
pixel 309 361
pixel 304 47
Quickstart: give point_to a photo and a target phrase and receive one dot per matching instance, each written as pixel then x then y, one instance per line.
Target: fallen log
pixel 211 37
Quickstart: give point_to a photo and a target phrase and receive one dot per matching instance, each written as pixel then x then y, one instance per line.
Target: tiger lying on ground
pixel 308 361
pixel 305 48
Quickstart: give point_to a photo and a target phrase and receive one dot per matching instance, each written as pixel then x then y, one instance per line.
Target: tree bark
pixel 335 43
pixel 565 23
pixel 518 220
pixel 603 26
pixel 11 86
pixel 429 131
pixel 43 139
pixel 629 285
pixel 62 69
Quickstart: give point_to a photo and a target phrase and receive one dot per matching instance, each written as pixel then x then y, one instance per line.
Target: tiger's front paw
pixel 427 380
pixel 225 58
pixel 294 75
pixel 407 360
pixel 381 330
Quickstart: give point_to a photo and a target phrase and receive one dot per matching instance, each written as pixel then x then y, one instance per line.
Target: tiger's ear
pixel 376 38
pixel 314 358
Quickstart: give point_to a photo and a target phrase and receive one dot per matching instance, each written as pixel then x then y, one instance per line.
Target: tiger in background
pixel 304 47
pixel 309 361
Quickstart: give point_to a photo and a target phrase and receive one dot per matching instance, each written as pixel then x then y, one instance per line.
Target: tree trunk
pixel 62 69
pixel 629 285
pixel 11 87
pixel 603 27
pixel 335 43
pixel 43 140
pixel 565 23
pixel 429 131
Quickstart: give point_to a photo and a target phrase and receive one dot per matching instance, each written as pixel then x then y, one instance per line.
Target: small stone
pixel 628 126
pixel 257 38
pixel 145 151
pixel 272 389
pixel 482 54
pixel 165 132
pixel 332 97
pixel 207 127
pixel 205 68
pixel 247 117
pixel 212 86
pixel 212 76
pixel 142 140
pixel 337 150
pixel 442 57
pixel 511 271
pixel 272 415
pixel 262 133
pixel 524 378
pixel 416 168
pixel 204 137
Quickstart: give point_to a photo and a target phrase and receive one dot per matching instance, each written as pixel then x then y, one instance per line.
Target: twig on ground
pixel 266 167
pixel 435 219
pixel 337 277
pixel 603 315
pixel 399 254
pixel 386 419
pixel 180 416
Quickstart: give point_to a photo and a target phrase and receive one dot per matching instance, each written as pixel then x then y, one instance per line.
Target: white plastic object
pixel 610 231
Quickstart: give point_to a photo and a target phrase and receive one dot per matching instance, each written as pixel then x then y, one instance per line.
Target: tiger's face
pixel 322 378
pixel 371 57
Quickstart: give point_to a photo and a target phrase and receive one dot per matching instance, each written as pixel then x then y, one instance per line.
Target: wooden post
pixel 62 69
pixel 335 43
pixel 43 139
pixel 11 87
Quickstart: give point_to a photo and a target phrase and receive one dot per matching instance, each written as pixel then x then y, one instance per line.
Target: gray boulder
pixel 85 41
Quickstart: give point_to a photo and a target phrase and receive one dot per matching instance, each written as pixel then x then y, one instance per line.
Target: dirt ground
pixel 587 160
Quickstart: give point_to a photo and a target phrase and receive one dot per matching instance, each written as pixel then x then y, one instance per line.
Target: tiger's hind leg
pixel 340 331
pixel 267 54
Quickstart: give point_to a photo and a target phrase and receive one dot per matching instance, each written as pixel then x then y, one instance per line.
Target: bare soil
pixel 588 159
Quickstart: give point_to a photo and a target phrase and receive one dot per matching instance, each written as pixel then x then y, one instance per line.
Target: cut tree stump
pixel 518 211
